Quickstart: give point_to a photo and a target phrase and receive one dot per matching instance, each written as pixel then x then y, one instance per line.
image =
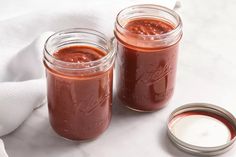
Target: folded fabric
pixel 23 87
pixel 2 150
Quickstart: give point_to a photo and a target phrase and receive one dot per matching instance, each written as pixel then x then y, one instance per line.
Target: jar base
pixel 142 110
pixel 79 139
pixel 76 140
pixel 145 111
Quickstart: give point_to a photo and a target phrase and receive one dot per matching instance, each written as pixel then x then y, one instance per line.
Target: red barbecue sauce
pixel 146 75
pixel 79 106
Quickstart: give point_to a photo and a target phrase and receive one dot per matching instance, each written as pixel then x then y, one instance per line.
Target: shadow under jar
pixel 147 46
pixel 79 70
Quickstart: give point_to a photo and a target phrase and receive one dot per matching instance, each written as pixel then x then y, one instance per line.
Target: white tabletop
pixel 206 73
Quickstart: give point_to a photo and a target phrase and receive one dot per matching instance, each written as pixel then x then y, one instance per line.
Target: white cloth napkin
pixel 23 31
pixel 2 150
pixel 22 87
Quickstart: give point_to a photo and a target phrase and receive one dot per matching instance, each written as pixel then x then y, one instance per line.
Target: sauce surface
pixel 79 106
pixel 78 54
pixel 148 26
pixel 146 76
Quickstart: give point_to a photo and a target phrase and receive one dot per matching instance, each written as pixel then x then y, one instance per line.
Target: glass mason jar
pixel 79 88
pixel 147 46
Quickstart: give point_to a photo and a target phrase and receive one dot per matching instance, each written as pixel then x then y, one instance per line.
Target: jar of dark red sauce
pixel 79 70
pixel 147 47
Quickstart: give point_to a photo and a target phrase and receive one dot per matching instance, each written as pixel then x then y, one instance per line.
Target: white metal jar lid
pixel 202 129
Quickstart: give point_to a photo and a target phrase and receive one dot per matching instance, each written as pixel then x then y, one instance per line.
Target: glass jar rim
pixel 177 29
pixel 109 43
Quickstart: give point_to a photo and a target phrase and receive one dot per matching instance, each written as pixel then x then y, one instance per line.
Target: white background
pixel 206 73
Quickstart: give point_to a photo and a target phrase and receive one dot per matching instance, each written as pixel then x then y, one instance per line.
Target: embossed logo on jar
pixel 150 76
pixel 162 95
pixel 91 104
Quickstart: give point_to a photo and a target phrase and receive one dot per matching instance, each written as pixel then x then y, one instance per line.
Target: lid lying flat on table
pixel 202 129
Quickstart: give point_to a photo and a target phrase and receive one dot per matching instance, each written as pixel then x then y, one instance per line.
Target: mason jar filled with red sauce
pixel 79 70
pixel 147 47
